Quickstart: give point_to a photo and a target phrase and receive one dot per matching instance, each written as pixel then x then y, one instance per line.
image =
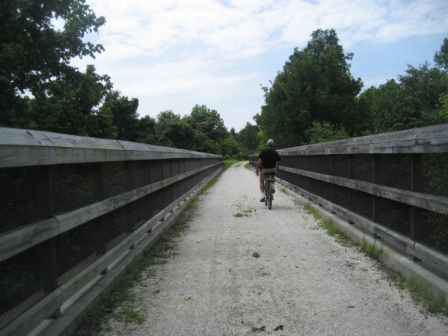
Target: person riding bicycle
pixel 268 162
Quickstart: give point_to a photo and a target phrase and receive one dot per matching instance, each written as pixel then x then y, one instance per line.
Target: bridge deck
pixel 303 283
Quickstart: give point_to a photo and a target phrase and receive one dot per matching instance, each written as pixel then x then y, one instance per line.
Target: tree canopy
pixel 35 57
pixel 315 86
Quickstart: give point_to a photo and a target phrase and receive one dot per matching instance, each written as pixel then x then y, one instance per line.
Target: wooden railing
pixel 393 185
pixel 71 206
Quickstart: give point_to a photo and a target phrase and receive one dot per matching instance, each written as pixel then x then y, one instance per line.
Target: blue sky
pixel 173 54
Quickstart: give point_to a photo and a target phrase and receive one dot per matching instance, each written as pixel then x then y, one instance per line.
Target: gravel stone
pixel 302 283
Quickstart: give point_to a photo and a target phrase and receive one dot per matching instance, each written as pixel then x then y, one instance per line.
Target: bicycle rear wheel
pixel 269 196
pixel 266 186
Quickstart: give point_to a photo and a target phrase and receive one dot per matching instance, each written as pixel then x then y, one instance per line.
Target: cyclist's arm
pixel 259 163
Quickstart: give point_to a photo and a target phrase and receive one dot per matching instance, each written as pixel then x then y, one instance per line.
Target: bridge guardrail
pixel 71 205
pixel 394 185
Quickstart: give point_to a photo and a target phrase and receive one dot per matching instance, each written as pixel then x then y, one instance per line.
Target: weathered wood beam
pixel 23 239
pixel 429 202
pixel 20 148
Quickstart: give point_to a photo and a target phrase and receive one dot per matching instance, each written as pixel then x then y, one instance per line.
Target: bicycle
pixel 268 187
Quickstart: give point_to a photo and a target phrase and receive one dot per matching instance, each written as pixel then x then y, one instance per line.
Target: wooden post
pixel 48 248
pixel 130 186
pixel 100 227
pixel 376 179
pixel 331 184
pixel 416 213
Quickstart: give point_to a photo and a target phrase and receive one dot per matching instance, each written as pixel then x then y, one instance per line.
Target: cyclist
pixel 268 162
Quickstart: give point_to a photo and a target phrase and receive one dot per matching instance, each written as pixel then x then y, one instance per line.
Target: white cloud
pixel 155 27
pixel 175 52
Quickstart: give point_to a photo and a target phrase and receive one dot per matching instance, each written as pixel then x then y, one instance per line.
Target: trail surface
pixel 302 283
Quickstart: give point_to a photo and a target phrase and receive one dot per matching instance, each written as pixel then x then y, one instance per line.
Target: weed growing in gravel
pixel 313 211
pixel 438 305
pixel 332 230
pixel 371 249
pixel 258 329
pixel 419 292
pixel 283 190
pixel 256 255
pixel 246 213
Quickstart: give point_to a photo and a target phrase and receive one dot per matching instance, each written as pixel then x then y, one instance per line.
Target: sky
pixel 174 54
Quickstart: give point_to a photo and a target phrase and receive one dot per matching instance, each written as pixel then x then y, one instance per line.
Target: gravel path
pixel 303 283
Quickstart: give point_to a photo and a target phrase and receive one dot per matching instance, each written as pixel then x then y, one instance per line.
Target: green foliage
pixel 332 229
pixel 322 132
pixel 371 249
pixel 314 98
pixel 441 57
pixel 438 304
pixel 415 99
pixel 68 105
pixel 412 102
pixel 443 113
pixel 249 139
pixel 313 211
pixel 207 121
pixel 315 86
pixel 124 115
pixel 35 56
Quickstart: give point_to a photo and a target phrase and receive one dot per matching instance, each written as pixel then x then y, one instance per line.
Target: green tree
pixel 413 101
pixel 33 53
pixel 177 134
pixel 315 85
pixel 248 138
pixel 163 120
pixel 231 149
pixel 323 132
pixel 124 115
pixel 68 105
pixel 208 122
pixel 441 57
pixel 146 130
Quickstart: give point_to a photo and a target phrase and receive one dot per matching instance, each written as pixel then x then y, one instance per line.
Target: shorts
pixel 269 170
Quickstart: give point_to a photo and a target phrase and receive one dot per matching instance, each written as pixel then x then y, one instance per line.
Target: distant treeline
pixel 313 99
pixel 316 99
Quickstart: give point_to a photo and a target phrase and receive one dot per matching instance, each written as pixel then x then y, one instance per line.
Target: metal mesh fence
pixel 30 195
pixel 25 197
pixel 422 173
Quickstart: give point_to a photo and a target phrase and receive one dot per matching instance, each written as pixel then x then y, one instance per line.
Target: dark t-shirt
pixel 269 156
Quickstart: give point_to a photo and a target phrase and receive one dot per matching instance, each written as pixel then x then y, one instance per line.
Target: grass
pixel 122 304
pixel 418 291
pixel 332 230
pixel 371 249
pixel 256 255
pixel 246 213
pixel 258 329
pixel 313 211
